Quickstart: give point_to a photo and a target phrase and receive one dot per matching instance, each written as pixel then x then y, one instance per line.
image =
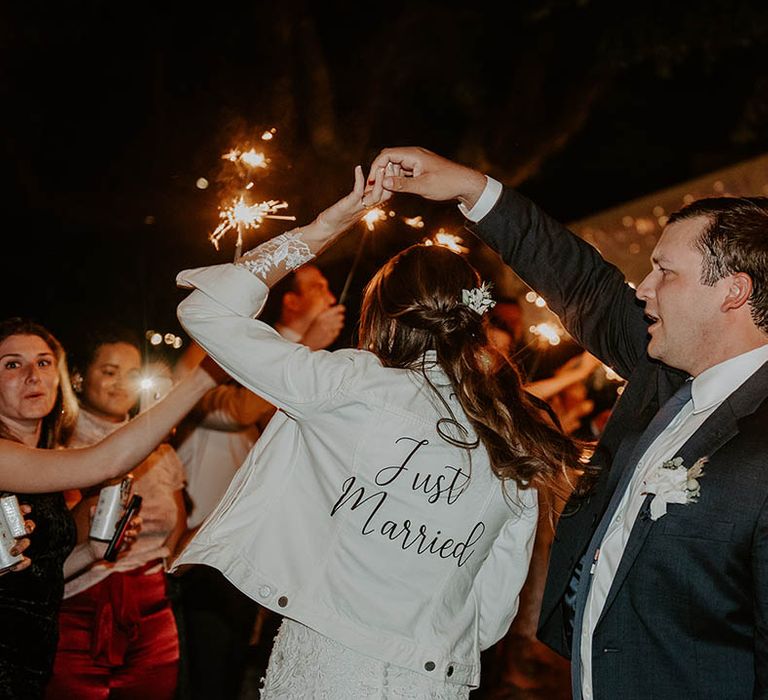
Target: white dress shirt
pixel 486 202
pixel 708 391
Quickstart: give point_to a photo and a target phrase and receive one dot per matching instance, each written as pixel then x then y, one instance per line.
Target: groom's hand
pixel 419 171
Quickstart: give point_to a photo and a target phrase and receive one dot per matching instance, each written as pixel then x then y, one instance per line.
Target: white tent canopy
pixel 627 234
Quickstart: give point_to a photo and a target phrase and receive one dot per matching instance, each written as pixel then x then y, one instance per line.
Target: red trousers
pixel 118 639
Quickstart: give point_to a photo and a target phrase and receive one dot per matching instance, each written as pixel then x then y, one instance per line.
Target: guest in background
pixel 118 634
pixel 303 309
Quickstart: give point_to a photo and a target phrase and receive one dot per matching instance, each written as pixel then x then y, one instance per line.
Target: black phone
pixel 117 539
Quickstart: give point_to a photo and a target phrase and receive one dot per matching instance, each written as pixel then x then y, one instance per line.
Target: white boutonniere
pixel 673 483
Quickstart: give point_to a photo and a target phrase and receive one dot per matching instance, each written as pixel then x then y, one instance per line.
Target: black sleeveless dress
pixel 30 600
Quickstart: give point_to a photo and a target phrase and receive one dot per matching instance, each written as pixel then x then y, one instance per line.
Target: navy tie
pixel 578 586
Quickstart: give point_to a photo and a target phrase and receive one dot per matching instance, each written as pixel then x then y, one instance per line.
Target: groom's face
pixel 684 313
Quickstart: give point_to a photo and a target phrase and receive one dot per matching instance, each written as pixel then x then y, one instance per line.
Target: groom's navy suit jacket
pixel 687 614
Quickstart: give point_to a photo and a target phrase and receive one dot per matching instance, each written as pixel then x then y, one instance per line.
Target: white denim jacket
pixel 351 514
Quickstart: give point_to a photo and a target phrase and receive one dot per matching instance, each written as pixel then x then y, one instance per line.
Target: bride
pixel 388 511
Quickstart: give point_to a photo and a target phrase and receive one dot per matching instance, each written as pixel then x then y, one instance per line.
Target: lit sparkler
pixel 370 218
pixel 240 216
pixel 414 222
pixel 547 332
pixel 447 240
pixel 252 158
pixel 373 216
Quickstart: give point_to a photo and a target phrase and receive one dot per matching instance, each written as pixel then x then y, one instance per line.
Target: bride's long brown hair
pixel 413 305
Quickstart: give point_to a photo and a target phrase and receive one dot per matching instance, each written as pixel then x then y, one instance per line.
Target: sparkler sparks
pixel 547 332
pixel 252 158
pixel 414 222
pixel 447 240
pixel 240 216
pixel 373 216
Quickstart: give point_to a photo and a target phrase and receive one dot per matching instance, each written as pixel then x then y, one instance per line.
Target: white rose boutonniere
pixel 673 483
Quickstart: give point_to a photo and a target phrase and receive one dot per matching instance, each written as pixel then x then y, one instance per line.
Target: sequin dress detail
pixel 30 600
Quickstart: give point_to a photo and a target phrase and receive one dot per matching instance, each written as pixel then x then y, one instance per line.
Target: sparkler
pixel 370 218
pixel 548 332
pixel 414 222
pixel 240 216
pixel 447 240
pixel 251 158
pixel 373 216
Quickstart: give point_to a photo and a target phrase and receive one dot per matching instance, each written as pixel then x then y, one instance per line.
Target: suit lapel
pixel 656 394
pixel 718 429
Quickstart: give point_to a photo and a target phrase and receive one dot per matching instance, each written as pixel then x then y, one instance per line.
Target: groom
pixel 658 575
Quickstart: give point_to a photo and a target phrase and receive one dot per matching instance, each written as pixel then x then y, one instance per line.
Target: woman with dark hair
pixel 38 412
pixel 118 634
pixel 388 510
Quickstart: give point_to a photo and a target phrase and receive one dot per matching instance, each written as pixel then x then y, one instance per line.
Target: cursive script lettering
pixel 381 481
pixel 449 485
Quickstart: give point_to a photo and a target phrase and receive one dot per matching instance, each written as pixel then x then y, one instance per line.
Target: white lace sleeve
pixel 288 249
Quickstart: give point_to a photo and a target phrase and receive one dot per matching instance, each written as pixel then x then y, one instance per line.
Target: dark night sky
pixel 111 112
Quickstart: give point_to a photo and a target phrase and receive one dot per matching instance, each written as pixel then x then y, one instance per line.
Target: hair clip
pixel 478 299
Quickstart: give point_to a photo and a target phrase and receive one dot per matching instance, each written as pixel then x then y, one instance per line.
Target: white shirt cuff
pixel 487 200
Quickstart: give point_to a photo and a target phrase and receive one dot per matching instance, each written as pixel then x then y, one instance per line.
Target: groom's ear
pixel 739 291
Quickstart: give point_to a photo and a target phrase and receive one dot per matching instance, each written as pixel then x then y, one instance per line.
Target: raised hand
pixel 325 328
pixel 419 171
pixel 348 210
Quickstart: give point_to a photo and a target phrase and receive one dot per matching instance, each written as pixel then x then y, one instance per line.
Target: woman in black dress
pixel 37 414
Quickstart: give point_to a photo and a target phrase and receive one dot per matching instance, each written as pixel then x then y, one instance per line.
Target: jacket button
pixel 429 666
pixel 282 601
pixel 264 591
pixel 449 672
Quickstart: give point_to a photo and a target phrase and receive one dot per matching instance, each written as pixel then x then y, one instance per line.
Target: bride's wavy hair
pixel 413 305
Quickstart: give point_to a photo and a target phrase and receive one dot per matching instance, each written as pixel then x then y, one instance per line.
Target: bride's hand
pixel 350 209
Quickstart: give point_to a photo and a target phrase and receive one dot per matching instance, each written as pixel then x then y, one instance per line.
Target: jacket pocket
pixel 717 530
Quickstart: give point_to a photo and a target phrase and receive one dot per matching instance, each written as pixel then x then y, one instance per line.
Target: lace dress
pixel 305 664
pixel 30 600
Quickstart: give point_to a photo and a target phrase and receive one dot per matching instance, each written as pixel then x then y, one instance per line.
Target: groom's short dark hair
pixel 736 240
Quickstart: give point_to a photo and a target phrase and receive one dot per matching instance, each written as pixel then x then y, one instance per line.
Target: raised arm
pixel 29 470
pixel 219 314
pixel 589 295
pixel 274 259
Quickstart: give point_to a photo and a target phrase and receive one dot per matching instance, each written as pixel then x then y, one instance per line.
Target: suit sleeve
pixel 591 296
pixel 501 577
pixel 760 587
pixel 219 315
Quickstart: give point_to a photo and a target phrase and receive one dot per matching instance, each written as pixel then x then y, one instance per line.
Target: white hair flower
pixel 478 299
